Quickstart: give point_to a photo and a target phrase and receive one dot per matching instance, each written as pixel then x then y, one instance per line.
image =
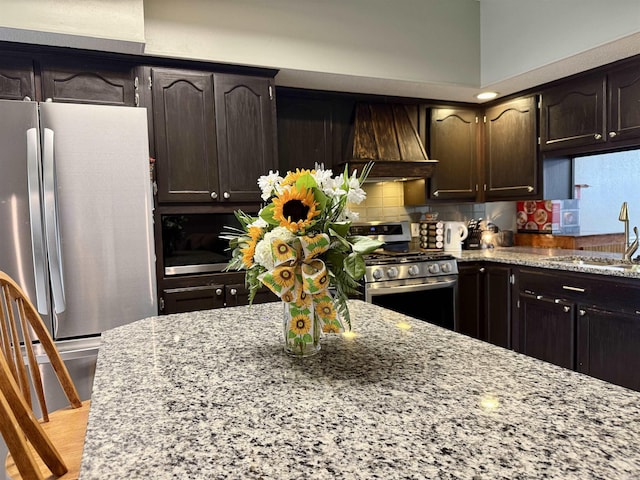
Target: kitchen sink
pixel 597 262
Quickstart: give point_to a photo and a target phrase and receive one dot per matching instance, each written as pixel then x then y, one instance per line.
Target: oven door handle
pixel 411 288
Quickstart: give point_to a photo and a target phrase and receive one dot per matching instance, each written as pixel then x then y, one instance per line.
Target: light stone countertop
pixel 547 258
pixel 211 395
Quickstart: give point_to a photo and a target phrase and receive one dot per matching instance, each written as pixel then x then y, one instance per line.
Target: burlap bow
pixel 301 280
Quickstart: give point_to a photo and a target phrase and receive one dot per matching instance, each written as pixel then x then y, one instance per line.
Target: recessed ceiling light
pixel 486 95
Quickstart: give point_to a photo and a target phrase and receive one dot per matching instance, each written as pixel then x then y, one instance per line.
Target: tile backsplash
pixel 385 202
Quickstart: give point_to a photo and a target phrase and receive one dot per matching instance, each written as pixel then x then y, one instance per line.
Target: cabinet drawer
pixel 191 299
pixel 613 293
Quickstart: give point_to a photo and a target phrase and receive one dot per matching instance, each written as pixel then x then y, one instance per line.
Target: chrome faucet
pixel 629 248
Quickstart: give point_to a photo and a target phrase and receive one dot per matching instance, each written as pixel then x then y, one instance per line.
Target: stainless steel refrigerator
pixel 76 220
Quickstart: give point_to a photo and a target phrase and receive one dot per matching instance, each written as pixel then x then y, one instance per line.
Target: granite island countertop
pixel 212 395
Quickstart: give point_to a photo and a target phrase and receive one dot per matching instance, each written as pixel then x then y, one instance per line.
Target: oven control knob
pixel 446 267
pixel 378 274
pixel 414 270
pixel 392 272
pixel 434 268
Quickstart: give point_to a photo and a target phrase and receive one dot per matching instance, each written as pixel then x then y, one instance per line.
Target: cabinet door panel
pixel 304 133
pixel 454 144
pixel 470 299
pixel 574 115
pixel 184 125
pixel 608 346
pixel 245 122
pixel 16 78
pixel 547 330
pixel 88 82
pixel 511 154
pixel 498 305
pixel 624 104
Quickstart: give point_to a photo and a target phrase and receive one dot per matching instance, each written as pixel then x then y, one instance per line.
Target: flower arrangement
pixel 299 246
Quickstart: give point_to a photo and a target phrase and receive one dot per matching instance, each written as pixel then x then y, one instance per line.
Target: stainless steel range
pixel 419 283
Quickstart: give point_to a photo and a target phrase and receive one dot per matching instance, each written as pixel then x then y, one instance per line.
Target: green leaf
pixel 306 338
pixel 292 334
pixel 341 228
pixel 306 181
pixel 321 198
pixel 363 245
pixel 354 265
pixel 267 214
pixel 336 236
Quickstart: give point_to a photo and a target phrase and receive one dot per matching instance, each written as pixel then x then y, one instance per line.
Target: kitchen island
pixel 211 394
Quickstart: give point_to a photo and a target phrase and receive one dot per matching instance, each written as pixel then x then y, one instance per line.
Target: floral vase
pixel 301 332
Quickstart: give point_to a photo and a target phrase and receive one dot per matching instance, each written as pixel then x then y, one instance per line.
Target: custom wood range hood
pixel 383 133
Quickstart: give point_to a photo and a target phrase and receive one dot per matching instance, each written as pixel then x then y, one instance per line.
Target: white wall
pixel 412 40
pixel 518 36
pixel 110 25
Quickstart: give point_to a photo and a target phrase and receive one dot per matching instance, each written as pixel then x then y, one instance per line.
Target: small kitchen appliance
pixel 454 234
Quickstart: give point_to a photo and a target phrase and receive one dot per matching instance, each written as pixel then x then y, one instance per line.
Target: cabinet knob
pixel 233 291
pixel 612 134
pixel 218 291
pixel 539 297
pixel 226 195
pixel 214 195
pixel 481 270
pixel 529 188
pixel 582 313
pixel 436 193
pixel 597 136
pixel 566 308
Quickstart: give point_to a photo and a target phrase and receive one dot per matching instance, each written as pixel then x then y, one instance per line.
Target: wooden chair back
pixel 20 328
pixel 32 453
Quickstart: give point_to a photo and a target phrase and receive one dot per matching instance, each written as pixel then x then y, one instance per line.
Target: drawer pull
pixel 573 289
pixel 566 309
pixel 582 312
pixel 539 297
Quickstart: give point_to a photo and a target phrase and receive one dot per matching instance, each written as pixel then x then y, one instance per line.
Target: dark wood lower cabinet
pixel 609 346
pixel 191 299
pixel 484 302
pixel 205 297
pixel 547 329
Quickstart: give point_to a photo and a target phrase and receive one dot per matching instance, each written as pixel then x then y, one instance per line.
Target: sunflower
pixel 248 251
pixel 330 328
pixel 284 276
pixel 292 177
pixel 282 251
pixel 295 209
pixel 304 299
pixel 326 310
pixel 300 324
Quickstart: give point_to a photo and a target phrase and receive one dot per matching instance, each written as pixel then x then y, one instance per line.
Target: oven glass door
pixel 434 302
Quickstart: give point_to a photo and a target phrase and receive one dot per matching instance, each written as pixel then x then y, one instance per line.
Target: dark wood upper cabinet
pixel 16 78
pixel 104 82
pixel 214 135
pixel 304 133
pixel 573 114
pixel 624 104
pixel 245 126
pixel 185 135
pixel 454 143
pixel 511 150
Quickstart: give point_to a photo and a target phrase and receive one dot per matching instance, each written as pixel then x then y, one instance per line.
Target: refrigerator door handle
pixel 52 225
pixel 37 227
